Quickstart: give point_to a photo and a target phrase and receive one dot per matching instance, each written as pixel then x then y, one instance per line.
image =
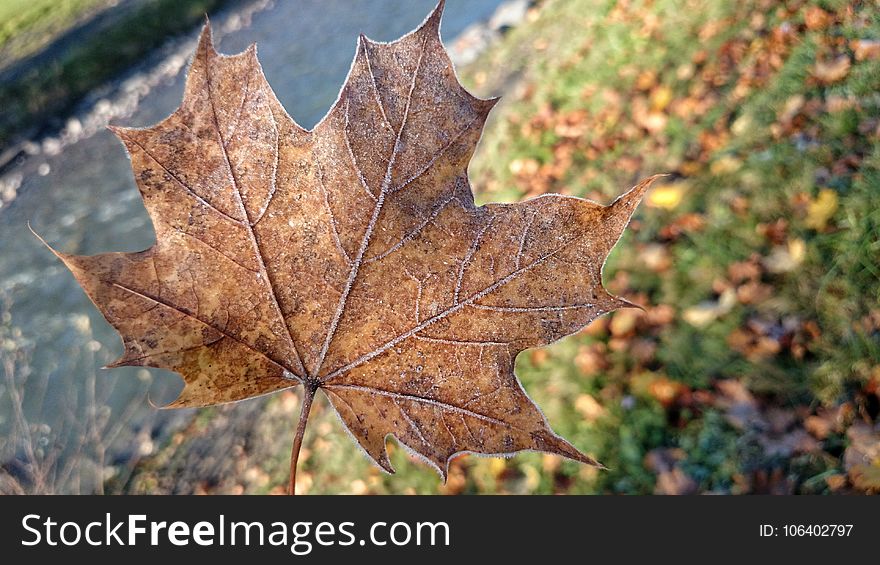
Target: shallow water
pixel 84 201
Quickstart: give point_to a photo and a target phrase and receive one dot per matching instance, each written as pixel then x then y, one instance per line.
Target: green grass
pixel 53 88
pixel 26 25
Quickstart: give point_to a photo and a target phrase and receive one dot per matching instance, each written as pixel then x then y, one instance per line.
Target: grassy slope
pixel 54 88
pixel 26 25
pixel 757 261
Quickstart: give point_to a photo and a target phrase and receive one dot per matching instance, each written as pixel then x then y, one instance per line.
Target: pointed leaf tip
pixel 206 37
pixel 434 18
pixel 624 303
pixel 120 132
pixel 618 213
pixel 490 103
pixel 383 461
pixel 55 252
pixel 631 198
pixel 153 405
pixel 549 442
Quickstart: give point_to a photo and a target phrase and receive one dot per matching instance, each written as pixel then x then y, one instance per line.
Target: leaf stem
pixel 308 396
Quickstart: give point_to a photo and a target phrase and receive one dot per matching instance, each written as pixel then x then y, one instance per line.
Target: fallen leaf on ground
pixel 589 407
pixel 829 420
pixel 786 258
pixel 667 195
pixel 816 18
pixel 832 71
pixel 591 359
pixel 862 456
pixel 656 257
pixel 738 403
pixel 623 323
pixel 791 108
pixel 725 165
pixel 822 209
pixel 665 390
pixel 864 445
pixel 707 312
pixel 866 477
pixel 866 49
pixel 671 479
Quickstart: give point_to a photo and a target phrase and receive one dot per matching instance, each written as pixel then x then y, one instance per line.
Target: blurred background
pixel 754 368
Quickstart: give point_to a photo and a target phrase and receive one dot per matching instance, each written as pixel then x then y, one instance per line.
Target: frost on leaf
pixel 351 258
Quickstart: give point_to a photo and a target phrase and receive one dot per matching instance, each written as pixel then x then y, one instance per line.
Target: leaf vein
pixel 189 314
pixel 365 241
pixel 334 227
pixel 423 400
pixel 264 274
pixel 530 308
pixel 183 185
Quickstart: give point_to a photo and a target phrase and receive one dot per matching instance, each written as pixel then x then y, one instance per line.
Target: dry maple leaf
pixel 351 258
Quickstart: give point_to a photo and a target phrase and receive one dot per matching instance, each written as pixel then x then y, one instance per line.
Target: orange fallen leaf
pixel 832 71
pixel 865 49
pixel 816 18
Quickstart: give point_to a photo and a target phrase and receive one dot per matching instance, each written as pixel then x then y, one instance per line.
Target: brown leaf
pixel 589 407
pixel 671 479
pixel 866 477
pixel 707 312
pixel 863 445
pixel 683 224
pixel 785 258
pixel 816 18
pixel 665 390
pixel 862 457
pixel 836 482
pixel 833 70
pixel 744 271
pixel 656 257
pixel 351 258
pixel 591 359
pixel 738 403
pixel 828 421
pixel 865 49
pixel 623 323
pixel 791 108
